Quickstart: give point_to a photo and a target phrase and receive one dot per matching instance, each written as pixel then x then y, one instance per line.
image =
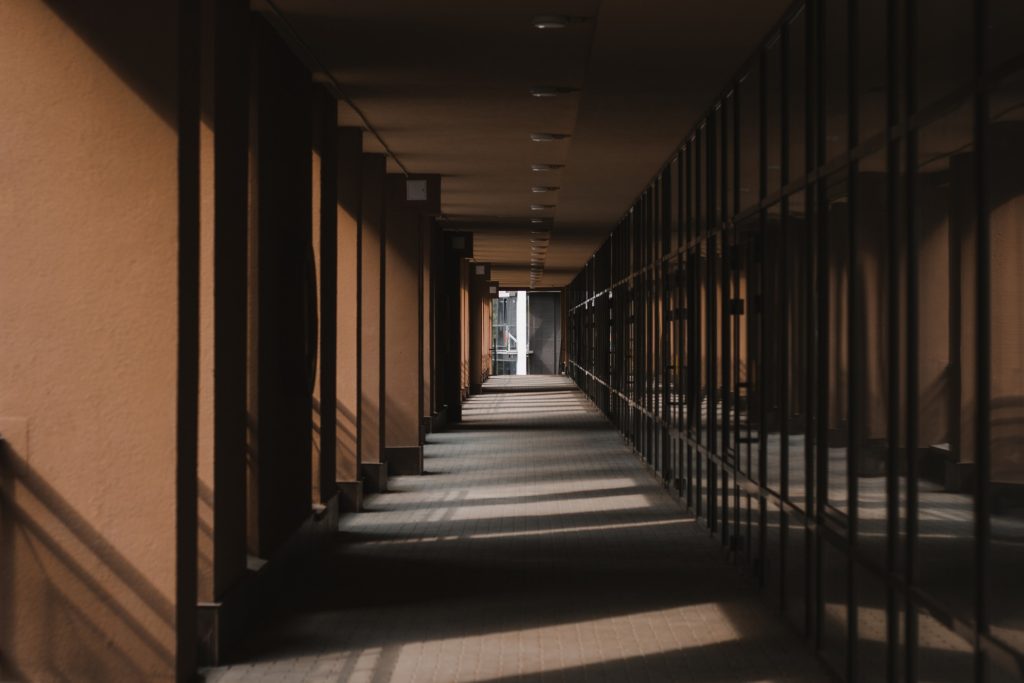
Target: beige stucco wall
pixel 347 409
pixel 88 304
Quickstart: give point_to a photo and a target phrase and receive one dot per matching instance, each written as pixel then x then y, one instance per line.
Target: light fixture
pixel 537 221
pixel 551 90
pixel 550 21
pixel 541 207
pixel 548 137
pixel 544 168
pixel 543 188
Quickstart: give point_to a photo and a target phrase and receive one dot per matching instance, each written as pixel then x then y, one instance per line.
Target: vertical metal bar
pixel 816 131
pixel 893 319
pixel 912 343
pixel 854 372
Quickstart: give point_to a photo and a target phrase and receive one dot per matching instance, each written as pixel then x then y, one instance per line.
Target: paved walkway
pixel 535 548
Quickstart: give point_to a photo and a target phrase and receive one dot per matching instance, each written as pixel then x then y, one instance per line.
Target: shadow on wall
pixel 109 620
pixel 122 33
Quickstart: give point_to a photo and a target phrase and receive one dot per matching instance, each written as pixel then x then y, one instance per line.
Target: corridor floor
pixel 536 548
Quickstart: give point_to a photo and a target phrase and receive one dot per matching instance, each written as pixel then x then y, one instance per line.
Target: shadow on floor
pixel 525 558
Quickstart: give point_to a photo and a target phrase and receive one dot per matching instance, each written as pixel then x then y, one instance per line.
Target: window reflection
pixel 943 212
pixel 836 233
pixel 783 344
pixel 1006 425
pixel 870 325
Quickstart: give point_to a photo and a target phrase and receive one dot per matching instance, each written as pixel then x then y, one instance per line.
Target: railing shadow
pixel 62 582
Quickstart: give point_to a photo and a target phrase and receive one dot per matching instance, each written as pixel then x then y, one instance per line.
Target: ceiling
pixel 446 85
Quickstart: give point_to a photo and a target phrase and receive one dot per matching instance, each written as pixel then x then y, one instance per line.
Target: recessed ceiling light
pixel 548 137
pixel 537 221
pixel 549 21
pixel 541 207
pixel 543 188
pixel 551 90
pixel 543 168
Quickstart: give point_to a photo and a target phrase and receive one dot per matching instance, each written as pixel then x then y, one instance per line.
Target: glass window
pixel 1006 277
pixel 798 345
pixel 871 67
pixel 943 197
pixel 1005 30
pixel 795 578
pixel 835 58
pixel 750 135
pixel 873 371
pixel 774 330
pixel 942 655
pixel 797 87
pixel 771 564
pixel 773 113
pixel 747 290
pixel 726 184
pixel 944 48
pixel 872 622
pixel 686 160
pixel 674 185
pixel 836 232
pixel 701 165
pixel 834 595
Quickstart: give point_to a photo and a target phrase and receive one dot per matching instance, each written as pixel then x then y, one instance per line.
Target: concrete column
pixel 224 214
pixel 346 413
pixel 99 221
pixel 479 307
pixel 408 199
pixel 372 292
pixel 465 282
pixel 455 247
pixel 325 250
pixel 427 409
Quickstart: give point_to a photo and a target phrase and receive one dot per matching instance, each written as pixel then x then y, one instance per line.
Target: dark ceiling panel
pixel 446 84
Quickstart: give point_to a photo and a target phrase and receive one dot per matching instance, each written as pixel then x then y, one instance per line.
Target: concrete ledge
pixel 224 625
pixel 375 477
pixel 350 496
pixel 404 461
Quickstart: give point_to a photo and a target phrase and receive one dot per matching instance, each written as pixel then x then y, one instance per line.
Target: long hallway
pixel 536 548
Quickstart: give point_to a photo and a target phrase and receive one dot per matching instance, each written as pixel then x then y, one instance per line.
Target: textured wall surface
pixel 88 304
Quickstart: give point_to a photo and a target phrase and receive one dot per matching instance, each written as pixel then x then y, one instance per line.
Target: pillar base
pixel 438 421
pixel 350 496
pixel 404 461
pixel 224 626
pixel 374 476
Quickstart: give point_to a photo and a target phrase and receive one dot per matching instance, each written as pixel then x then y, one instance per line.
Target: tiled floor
pixel 535 548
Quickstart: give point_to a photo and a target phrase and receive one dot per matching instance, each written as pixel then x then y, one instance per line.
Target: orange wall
pixel 88 354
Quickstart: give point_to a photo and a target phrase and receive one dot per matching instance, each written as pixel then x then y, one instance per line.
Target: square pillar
pixel 409 200
pixel 349 305
pixel 372 330
pixel 452 276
